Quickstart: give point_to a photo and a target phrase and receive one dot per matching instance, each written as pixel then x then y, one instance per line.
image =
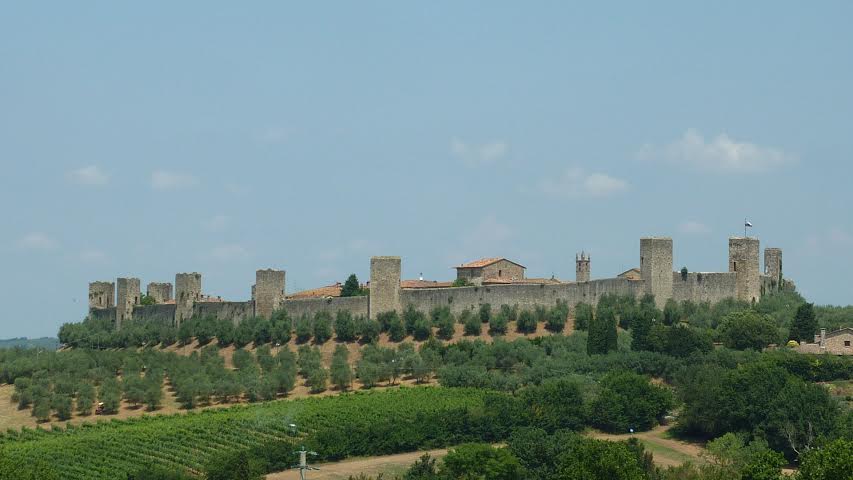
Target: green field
pixel 356 424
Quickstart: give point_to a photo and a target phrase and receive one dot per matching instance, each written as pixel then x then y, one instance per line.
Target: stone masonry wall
pixel 102 295
pixel 743 259
pixel 525 296
pixel 160 292
pixel 163 313
pixel 773 265
pixel 233 311
pixel 503 269
pixel 127 295
pixel 296 307
pixel 187 292
pixel 269 291
pixel 384 285
pixel 656 267
pixel 704 287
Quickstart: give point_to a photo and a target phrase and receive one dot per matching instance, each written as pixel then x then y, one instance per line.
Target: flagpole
pixel 744 227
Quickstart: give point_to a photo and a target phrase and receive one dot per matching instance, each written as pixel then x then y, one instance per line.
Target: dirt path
pixel 667 451
pixel 388 464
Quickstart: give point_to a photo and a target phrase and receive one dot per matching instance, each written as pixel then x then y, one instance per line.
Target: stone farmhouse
pixel 839 342
pixel 496 281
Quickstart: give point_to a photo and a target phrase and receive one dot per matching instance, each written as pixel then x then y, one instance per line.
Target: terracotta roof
pixel 521 281
pixel 327 291
pixel 484 262
pixel 840 331
pixel 424 284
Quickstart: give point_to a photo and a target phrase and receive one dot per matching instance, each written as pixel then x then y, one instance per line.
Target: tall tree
pixel 351 287
pixel 805 323
pixel 602 332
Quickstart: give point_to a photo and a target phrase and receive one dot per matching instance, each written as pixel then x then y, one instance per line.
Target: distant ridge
pixel 48 343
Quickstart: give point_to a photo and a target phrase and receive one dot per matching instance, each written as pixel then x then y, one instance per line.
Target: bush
pixel 498 324
pixel 473 326
pixel 304 329
pixel 583 316
pixel 485 313
pixel 556 322
pixel 369 330
pixel 322 327
pixel 345 327
pixel 526 322
pixel 748 330
pixel 629 401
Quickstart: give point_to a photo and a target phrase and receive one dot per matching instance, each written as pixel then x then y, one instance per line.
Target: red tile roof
pixel 327 291
pixel 424 284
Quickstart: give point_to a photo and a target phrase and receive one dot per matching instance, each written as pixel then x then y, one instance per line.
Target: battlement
pixel 159 292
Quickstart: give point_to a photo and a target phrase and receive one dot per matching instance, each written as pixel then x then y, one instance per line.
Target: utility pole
pixel 303 462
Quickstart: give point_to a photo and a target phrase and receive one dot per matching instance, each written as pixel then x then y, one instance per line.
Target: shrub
pixel 526 322
pixel 322 327
pixel 473 326
pixel 345 327
pixel 498 324
pixel 485 313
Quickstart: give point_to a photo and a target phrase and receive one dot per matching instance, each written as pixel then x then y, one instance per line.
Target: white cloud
pixel 164 180
pixel 227 253
pixel 217 223
pixel 93 256
pixel 37 241
pixel 722 154
pixel 692 227
pixel 89 175
pixel 476 155
pixel 574 182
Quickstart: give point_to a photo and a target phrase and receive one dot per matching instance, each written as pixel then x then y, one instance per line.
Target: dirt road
pixel 388 464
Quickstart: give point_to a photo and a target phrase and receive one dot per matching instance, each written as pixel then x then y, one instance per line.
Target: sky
pixel 146 139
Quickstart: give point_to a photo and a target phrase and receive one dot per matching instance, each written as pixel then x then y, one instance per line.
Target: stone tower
pixel 743 259
pixel 582 267
pixel 384 285
pixel 773 265
pixel 102 295
pixel 160 292
pixel 656 267
pixel 187 292
pixel 127 296
pixel 268 292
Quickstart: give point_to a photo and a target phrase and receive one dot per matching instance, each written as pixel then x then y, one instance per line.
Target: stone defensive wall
pixel 704 286
pixel 743 281
pixel 526 296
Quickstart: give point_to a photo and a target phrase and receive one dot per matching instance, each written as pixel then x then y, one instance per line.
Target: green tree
pixel 396 329
pixel 748 329
pixel 472 325
pixel 85 398
pixel 317 380
pixel 110 395
pixel 629 401
pixel 498 324
pixel 480 460
pixel 240 465
pixel 602 332
pixel 351 287
pixel 805 323
pixel 62 404
pixel 833 461
pixel 341 372
pixel 461 282
pixel 526 322
pixel 556 321
pixel 583 316
pixel 322 327
pixel 671 312
pixel 345 327
pixel 304 329
pixel 485 313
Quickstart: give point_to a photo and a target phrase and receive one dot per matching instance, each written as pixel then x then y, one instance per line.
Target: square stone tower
pixel 187 292
pixel 656 267
pixel 743 260
pixel 773 265
pixel 268 292
pixel 160 292
pixel 384 285
pixel 582 267
pixel 127 295
pixel 102 295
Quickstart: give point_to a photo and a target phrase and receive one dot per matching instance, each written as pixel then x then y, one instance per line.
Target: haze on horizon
pixel 145 140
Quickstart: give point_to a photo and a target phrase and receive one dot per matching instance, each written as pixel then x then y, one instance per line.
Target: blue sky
pixel 149 139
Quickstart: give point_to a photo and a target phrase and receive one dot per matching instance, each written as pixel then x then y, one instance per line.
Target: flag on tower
pixel 747 223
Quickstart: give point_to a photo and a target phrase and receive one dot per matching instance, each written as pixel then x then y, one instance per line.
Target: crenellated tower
pixel 582 267
pixel 187 292
pixel 743 260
